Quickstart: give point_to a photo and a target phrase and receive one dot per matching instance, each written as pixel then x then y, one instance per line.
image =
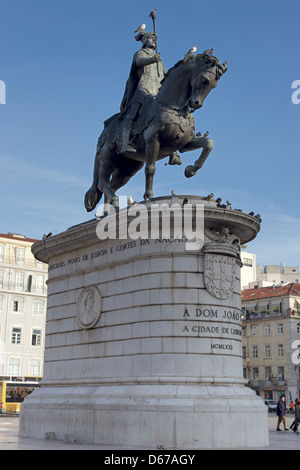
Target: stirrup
pixel 128 148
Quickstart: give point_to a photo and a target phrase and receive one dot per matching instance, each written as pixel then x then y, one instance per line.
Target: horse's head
pixel 206 74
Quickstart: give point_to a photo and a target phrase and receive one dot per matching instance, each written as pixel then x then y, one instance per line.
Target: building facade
pixel 248 270
pixel 271 328
pixel 276 274
pixel 258 275
pixel 23 294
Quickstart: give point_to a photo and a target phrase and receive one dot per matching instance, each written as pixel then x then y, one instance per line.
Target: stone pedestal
pixel 144 338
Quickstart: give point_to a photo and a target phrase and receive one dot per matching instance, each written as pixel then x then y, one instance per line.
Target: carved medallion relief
pixel 89 307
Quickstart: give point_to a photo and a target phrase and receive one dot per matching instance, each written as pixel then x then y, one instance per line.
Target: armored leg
pixel 126 146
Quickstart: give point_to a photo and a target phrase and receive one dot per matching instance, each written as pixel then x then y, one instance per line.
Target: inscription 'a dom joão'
pixel 213 313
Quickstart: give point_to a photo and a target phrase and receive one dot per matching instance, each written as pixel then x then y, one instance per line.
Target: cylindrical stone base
pixel 144 338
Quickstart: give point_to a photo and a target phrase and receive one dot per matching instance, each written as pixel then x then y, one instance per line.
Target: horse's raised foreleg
pixel 194 144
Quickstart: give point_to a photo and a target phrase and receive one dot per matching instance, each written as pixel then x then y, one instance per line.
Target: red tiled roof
pixel 18 237
pixel 270 291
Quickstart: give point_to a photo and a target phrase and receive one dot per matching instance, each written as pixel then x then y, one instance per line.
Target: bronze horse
pixel 166 124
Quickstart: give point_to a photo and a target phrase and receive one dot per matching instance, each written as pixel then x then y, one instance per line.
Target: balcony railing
pixel 22 262
pixel 255 383
pixel 270 314
pixel 26 287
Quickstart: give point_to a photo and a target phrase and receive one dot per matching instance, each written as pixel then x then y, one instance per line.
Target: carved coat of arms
pixel 219 275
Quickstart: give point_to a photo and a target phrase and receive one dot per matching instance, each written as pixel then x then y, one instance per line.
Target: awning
pixel 276 301
pixel 251 305
pixel 263 303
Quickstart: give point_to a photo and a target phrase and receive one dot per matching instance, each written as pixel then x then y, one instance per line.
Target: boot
pixel 126 146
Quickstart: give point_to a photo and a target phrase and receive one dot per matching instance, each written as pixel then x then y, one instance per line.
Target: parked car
pixel 271 404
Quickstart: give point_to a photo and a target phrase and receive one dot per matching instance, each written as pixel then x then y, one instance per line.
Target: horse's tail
pixel 93 195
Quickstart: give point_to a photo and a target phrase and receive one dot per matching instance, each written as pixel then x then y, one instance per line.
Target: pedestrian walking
pixel 295 423
pixel 281 414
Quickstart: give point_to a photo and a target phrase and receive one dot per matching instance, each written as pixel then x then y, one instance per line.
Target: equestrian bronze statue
pixel 156 120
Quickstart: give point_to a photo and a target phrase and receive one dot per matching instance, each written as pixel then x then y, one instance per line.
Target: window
pixel 254 352
pixel 38 306
pixel 279 327
pixel 280 350
pixel 280 373
pixel 36 338
pixel 20 281
pixel 267 329
pixel 244 352
pixel 277 308
pixel 16 336
pixel 39 283
pixel 20 256
pixel 267 351
pixel 35 367
pixel 1 277
pixel 255 372
pixel 247 262
pixel 14 366
pixel 268 373
pixel 1 302
pixel 254 331
pixel 1 253
pixel 18 304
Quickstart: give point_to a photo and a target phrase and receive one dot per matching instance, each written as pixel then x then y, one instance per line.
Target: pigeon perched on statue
pixel 140 28
pixel 190 53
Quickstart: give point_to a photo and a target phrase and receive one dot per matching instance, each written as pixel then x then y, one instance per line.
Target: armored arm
pixel 141 60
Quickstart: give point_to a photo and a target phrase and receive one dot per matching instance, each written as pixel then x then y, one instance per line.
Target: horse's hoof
pixel 115 202
pixel 148 197
pixel 188 172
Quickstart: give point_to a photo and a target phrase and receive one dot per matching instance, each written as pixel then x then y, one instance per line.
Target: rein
pixel 174 108
pixel 186 107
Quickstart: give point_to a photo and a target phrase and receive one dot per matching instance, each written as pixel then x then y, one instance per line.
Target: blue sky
pixel 65 64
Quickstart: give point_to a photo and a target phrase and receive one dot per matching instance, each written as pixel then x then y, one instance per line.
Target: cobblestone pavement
pixel 9 439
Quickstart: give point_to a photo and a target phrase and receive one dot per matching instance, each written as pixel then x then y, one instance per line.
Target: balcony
pixel 255 383
pixel 26 288
pixel 270 314
pixel 30 263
